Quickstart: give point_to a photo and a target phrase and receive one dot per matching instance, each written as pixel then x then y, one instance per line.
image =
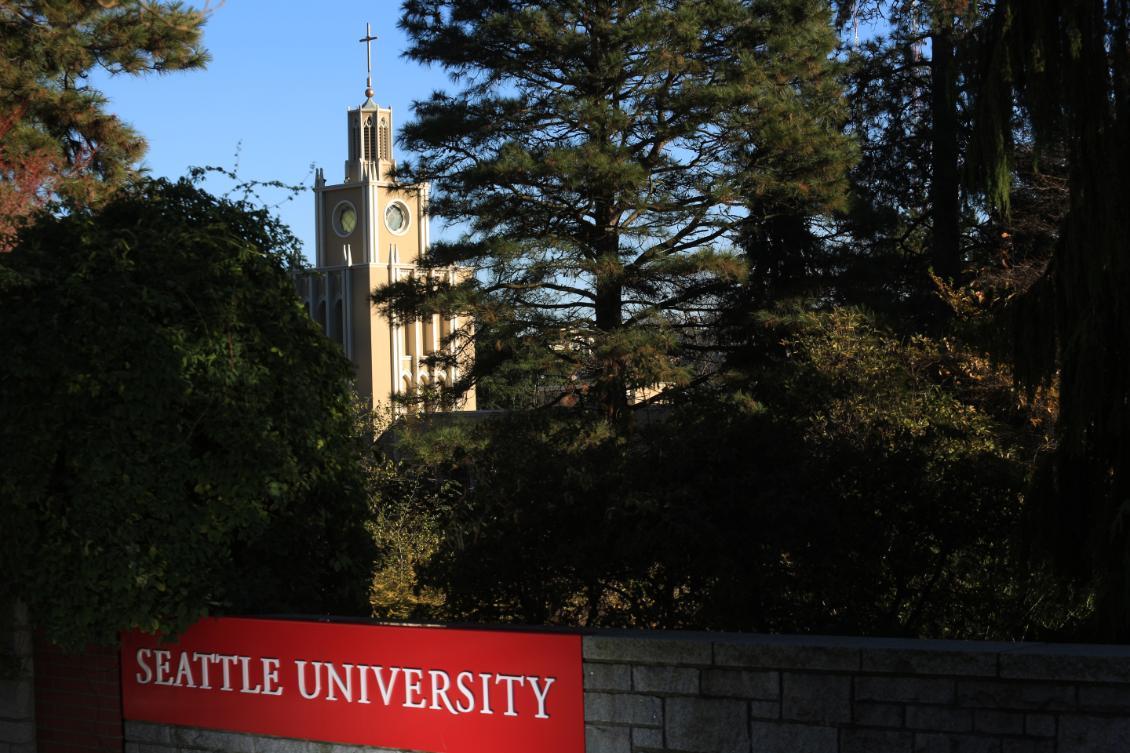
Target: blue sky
pixel 281 78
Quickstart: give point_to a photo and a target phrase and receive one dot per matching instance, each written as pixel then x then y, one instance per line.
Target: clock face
pixel 396 217
pixel 345 219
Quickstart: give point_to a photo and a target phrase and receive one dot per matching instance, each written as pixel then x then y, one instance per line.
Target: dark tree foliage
pixel 608 158
pixel 57 142
pixel 178 437
pixel 819 468
pixel 911 223
pixel 853 495
pixel 1064 66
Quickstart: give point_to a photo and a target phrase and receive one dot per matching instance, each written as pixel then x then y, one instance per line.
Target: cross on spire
pixel 367 39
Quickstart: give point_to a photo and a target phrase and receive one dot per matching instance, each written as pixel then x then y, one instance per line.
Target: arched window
pixel 370 139
pixel 322 315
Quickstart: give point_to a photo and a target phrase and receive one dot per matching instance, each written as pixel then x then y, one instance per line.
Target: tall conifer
pixel 1066 64
pixel 57 140
pixel 603 156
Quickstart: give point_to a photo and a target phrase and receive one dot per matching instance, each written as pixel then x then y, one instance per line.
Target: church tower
pixel 372 231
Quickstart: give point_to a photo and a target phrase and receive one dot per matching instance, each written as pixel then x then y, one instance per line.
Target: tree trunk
pixel 945 189
pixel 610 385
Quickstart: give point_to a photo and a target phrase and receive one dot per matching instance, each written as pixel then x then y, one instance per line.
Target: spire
pixel 367 39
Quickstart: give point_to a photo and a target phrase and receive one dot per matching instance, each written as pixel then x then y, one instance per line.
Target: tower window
pixel 370 140
pixel 386 144
pixel 396 217
pixel 344 219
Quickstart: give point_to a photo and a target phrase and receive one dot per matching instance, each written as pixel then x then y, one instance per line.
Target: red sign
pixel 440 690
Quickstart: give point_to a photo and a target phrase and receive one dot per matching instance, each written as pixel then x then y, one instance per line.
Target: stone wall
pixel 726 693
pixel 17 705
pixel 785 694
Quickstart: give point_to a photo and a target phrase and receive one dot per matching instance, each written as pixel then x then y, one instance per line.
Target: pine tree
pixel 908 93
pixel 605 156
pixel 57 141
pixel 1066 65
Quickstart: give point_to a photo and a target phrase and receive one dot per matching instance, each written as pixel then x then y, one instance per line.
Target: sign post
pixel 441 690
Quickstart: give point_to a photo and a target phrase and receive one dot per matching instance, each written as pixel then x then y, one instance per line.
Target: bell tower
pixel 372 231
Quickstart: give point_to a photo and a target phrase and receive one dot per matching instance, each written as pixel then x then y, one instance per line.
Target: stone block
pixel 876 741
pixel 1093 734
pixel 623 708
pixel 738 683
pixel 943 743
pixel 212 740
pixel 786 656
pixel 607 676
pixel 878 714
pixel 998 722
pixel 1012 745
pixel 641 650
pixel 17 732
pixel 1067 663
pixel 765 709
pixel 816 698
pixel 905 689
pixel 17 699
pixel 701 725
pixel 1104 697
pixel 665 680
pixel 1039 725
pixel 154 748
pixel 286 745
pixel 1015 695
pixel 783 737
pixel 144 732
pixel 600 739
pixel 939 719
pixel 646 737
pixel 909 661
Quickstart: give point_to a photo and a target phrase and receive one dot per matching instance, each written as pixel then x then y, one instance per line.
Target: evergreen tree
pixel 908 93
pixel 1066 65
pixel 57 141
pixel 605 155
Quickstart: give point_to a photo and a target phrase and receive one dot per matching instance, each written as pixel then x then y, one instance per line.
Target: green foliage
pixel 848 482
pixel 1064 67
pixel 178 437
pixel 407 506
pixel 606 158
pixel 53 121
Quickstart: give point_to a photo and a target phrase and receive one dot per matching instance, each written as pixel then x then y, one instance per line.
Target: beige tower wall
pixel 350 265
pixel 404 246
pixel 333 243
